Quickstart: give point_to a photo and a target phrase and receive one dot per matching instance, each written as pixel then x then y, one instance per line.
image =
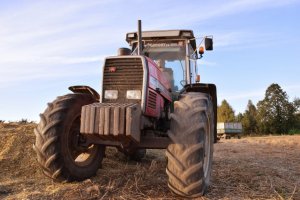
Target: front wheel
pixel 190 154
pixel 58 138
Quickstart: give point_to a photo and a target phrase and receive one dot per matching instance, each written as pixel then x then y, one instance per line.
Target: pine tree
pixel 225 112
pixel 239 117
pixel 249 120
pixel 275 113
pixel 297 115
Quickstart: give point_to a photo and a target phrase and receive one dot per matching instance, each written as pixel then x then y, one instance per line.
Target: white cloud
pixel 191 12
pixel 46 40
pixel 243 95
pixel 38 34
pixel 57 40
pixel 259 93
pixel 34 60
pixel 34 68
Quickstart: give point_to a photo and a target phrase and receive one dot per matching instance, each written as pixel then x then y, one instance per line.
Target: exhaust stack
pixel 140 45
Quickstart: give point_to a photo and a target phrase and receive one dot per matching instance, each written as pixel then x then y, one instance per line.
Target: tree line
pixel 275 114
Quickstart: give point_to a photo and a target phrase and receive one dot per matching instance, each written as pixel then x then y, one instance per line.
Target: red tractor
pixel 151 98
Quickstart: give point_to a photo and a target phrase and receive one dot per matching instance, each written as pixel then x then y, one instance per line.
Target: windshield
pixel 170 58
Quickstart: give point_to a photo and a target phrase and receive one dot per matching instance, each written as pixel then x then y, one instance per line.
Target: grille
pixel 128 75
pixel 152 100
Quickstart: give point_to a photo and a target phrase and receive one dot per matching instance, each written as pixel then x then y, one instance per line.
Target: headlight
pixel 111 94
pixel 133 94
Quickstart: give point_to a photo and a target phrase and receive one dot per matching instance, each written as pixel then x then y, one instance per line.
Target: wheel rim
pixel 80 156
pixel 207 148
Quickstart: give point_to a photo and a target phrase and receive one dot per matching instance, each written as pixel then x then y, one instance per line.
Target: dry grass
pixel 250 168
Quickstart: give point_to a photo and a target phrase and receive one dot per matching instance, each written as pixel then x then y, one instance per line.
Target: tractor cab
pixel 173 51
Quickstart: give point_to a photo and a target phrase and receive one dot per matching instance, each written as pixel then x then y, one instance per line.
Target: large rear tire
pixel 190 154
pixel 58 137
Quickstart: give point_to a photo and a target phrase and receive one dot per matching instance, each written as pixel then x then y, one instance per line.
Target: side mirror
pixel 208 42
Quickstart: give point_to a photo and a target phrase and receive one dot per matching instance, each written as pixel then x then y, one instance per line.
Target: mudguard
pixel 210 89
pixel 85 90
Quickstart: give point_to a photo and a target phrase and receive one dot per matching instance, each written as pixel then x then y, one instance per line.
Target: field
pixel 249 168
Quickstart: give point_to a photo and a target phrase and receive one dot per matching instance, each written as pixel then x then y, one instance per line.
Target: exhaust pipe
pixel 140 45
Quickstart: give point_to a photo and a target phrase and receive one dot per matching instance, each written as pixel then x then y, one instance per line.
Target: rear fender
pixel 85 90
pixel 210 89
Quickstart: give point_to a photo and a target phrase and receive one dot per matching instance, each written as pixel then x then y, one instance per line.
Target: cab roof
pixel 132 37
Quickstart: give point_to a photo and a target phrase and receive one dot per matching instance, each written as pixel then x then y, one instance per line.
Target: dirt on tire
pixel 191 131
pixel 247 168
pixel 56 145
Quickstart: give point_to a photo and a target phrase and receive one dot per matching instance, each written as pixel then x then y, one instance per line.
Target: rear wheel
pixel 190 154
pixel 58 139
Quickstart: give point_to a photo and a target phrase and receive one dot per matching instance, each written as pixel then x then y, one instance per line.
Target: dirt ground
pixel 247 168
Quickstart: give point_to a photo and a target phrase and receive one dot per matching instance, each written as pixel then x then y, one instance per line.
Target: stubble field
pixel 247 168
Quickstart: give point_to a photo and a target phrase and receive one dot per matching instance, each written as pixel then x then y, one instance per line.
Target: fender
pixel 207 88
pixel 85 90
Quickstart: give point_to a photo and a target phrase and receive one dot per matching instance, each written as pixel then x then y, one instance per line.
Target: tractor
pixel 150 98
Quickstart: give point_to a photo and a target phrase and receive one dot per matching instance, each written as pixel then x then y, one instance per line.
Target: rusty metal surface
pixel 112 121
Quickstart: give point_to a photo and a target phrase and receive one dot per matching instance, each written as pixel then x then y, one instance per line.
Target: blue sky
pixel 46 46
